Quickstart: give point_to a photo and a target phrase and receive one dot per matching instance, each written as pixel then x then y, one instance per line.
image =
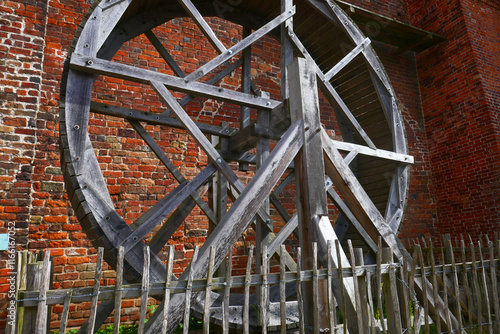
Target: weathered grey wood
pixel 378 285
pixel 144 291
pixel 424 292
pixel 246 305
pixel 246 86
pixel 377 153
pixel 243 44
pixel 344 209
pixel 331 300
pixel 330 92
pixel 33 278
pixel 309 167
pixel 208 292
pixel 476 287
pixel 155 119
pixel 203 25
pixel 65 313
pixel 112 12
pixel 135 74
pixel 404 301
pixel 357 294
pixel 118 290
pixel 347 59
pixel 300 300
pixel 435 287
pixel 465 279
pixel 445 293
pixel 171 167
pixel 247 205
pixel 95 291
pixel 363 306
pixel 227 291
pixel 317 306
pixel 286 49
pixel 282 290
pixel 391 295
pixel 41 314
pixel 282 235
pixel 164 53
pixel 485 289
pixel 342 286
pixel 458 308
pixel 189 287
pixel 165 206
pixel 494 287
pixel 263 291
pixel 168 281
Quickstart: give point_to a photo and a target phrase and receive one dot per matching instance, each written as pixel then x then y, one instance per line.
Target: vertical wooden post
pixel 33 281
pixel 309 167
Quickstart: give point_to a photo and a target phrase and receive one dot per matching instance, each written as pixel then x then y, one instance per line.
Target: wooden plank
pixel 227 291
pixel 168 281
pixel 112 12
pixel 286 49
pixel 485 289
pixel 359 314
pixel 317 305
pixel 331 299
pixel 435 287
pixel 282 290
pixel 65 312
pixel 203 25
pixel 246 86
pixel 476 287
pixel 144 291
pixel 95 291
pixel 164 53
pixel 300 299
pixel 494 287
pixel 371 307
pixel 208 292
pixel 458 308
pixel 465 280
pixel 118 290
pixel 243 44
pixel 104 67
pixel 378 285
pixel 241 214
pixel 404 301
pixel 189 287
pixel 164 207
pixel 263 292
pixel 246 305
pixel 41 314
pixel 377 153
pixel 33 277
pixel 347 59
pixel 342 286
pixel 445 292
pixel 391 295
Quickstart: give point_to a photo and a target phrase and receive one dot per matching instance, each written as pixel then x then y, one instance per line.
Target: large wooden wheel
pixel 363 170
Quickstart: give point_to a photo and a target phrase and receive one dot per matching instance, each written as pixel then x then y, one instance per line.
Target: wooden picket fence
pixel 463 274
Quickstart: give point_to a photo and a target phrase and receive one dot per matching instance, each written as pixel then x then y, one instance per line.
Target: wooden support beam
pixel 347 59
pixel 164 54
pixel 377 153
pixel 243 44
pixel 203 25
pixel 136 74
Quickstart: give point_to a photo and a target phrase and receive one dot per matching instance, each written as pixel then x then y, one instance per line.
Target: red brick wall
pixel 438 101
pixel 458 83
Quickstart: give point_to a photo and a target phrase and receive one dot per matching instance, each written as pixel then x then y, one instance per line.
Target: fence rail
pixel 465 292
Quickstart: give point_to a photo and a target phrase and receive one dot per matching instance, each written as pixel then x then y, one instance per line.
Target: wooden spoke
pixel 164 54
pixel 330 92
pixel 246 42
pixel 104 67
pixel 164 207
pixel 170 166
pixel 203 25
pixel 347 59
pixel 377 153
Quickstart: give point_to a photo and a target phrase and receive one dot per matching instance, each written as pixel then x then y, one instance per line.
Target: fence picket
pixel 452 281
pixel 485 289
pixel 41 315
pixel 118 290
pixel 95 292
pixel 342 289
pixel 168 280
pixel 246 306
pixel 144 291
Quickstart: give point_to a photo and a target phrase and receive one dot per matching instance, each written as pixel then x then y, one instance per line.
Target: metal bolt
pixel 85 186
pixel 219 160
pixel 90 62
pixel 107 218
pixel 130 113
pixel 157 117
pixel 76 127
pixel 268 103
pixel 230 52
pixel 135 238
pixel 87 45
pixel 77 159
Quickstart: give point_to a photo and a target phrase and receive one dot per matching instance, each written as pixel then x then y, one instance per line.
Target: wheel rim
pixel 375 115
